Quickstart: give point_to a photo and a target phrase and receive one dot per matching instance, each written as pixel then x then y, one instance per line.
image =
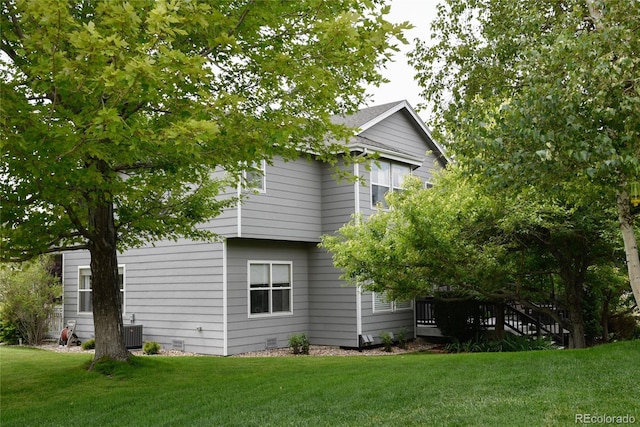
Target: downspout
pixel 225 345
pixel 356 192
pixel 62 279
pixel 239 211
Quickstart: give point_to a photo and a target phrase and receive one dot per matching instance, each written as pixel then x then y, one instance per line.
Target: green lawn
pixel 43 388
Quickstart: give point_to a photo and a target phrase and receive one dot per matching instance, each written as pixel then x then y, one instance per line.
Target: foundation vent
pixel 272 343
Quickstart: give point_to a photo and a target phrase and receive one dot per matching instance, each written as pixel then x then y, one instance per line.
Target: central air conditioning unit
pixel 133 336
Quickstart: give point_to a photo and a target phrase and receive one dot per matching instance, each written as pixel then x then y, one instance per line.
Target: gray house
pixel 267 279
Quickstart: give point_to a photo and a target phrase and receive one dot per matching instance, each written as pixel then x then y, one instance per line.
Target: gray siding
pixel 332 307
pixel 376 323
pixel 338 203
pixel 247 333
pixel 290 209
pixel 226 224
pixel 171 289
pixel 399 130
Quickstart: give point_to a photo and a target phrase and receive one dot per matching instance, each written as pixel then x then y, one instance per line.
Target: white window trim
pixel 393 305
pixel 270 313
pixel 263 188
pixel 391 186
pixel 124 289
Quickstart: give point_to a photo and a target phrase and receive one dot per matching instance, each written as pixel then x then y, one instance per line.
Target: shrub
pixel 402 335
pixel 29 293
pixel 9 332
pixel 89 344
pixel 509 344
pixel 455 315
pixel 299 344
pixel 151 347
pixel 387 341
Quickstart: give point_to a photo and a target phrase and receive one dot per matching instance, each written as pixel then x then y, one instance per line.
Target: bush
pixel 387 341
pixel 29 293
pixel 9 333
pixel 89 344
pixel 509 344
pixel 402 335
pixel 151 347
pixel 455 316
pixel 299 344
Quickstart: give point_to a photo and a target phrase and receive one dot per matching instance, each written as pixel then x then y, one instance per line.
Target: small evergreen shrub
pixel 387 341
pixel 151 347
pixel 89 344
pixel 402 336
pixel 299 344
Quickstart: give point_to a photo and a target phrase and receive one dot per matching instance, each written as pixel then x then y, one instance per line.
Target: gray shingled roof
pixel 363 116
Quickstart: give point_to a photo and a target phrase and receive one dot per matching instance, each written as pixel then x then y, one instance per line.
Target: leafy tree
pixel 484 243
pixel 543 93
pixel 423 242
pixel 29 293
pixel 115 116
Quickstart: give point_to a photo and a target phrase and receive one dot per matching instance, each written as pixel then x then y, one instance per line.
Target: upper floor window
pixel 85 294
pixel 270 288
pixel 256 178
pixel 385 177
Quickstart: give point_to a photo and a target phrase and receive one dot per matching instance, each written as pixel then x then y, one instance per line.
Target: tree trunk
pixel 604 319
pixel 630 243
pixel 107 309
pixel 574 296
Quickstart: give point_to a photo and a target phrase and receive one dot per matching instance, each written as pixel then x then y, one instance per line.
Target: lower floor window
pixel 85 294
pixel 382 304
pixel 270 287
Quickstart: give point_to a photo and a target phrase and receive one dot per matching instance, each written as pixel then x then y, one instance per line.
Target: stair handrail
pixel 509 307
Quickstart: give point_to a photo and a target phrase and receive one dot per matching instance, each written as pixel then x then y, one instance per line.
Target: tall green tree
pixel 483 242
pixel 543 92
pixel 116 114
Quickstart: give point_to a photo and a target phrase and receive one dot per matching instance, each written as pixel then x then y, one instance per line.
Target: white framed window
pixel 385 177
pixel 85 294
pixel 255 179
pixel 270 288
pixel 381 304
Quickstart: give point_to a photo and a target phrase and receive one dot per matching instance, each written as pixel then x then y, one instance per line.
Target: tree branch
pixel 245 12
pixel 76 222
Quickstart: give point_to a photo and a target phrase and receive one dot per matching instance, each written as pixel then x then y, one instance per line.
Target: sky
pixel 402 85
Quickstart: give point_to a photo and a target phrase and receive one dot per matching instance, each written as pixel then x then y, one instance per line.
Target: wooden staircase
pixel 514 318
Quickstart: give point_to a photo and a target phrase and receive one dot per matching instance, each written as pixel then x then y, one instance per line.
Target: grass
pixel 541 388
